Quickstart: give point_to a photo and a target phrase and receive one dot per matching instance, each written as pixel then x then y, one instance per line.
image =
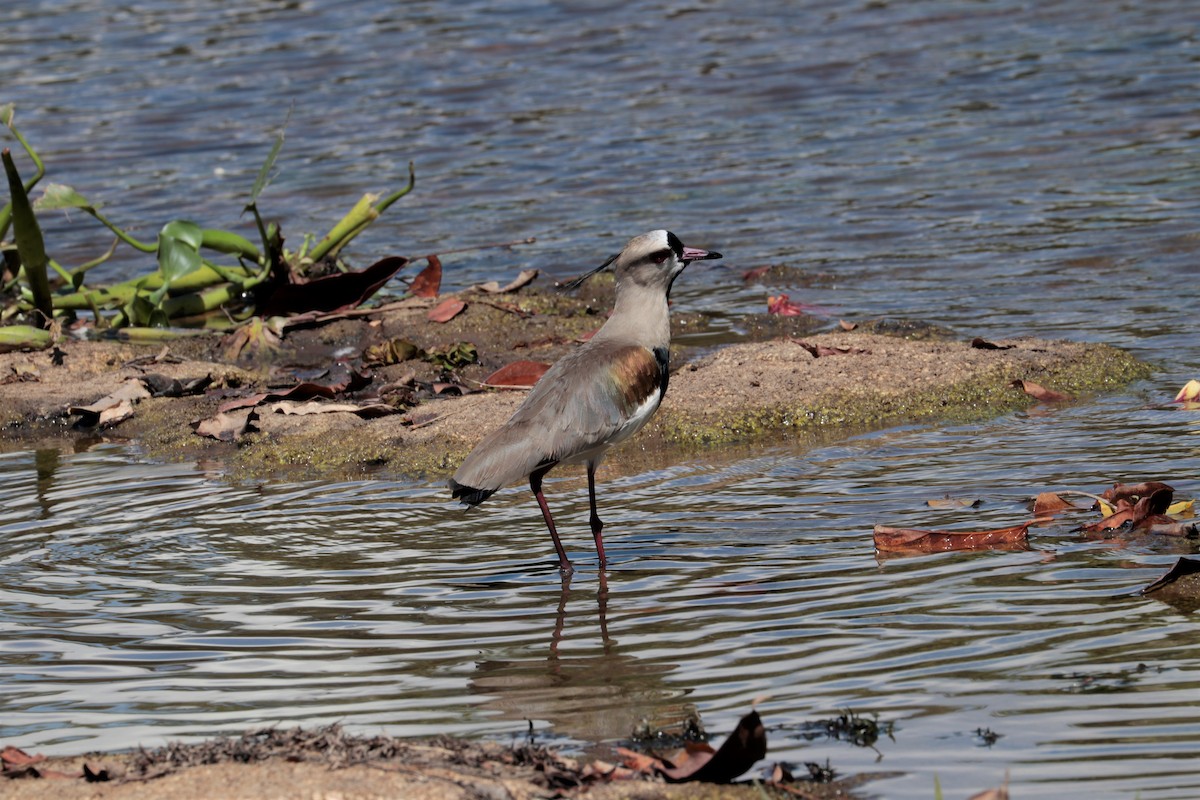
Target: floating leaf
pixel 913 540
pixel 1040 392
pixel 429 280
pixel 517 375
pixel 1050 503
pixel 954 502
pixel 447 310
pixel 758 273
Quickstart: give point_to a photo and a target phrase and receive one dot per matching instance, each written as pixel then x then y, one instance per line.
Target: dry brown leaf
pixel 1050 503
pixel 740 751
pixel 847 326
pixel 226 426
pixel 368 411
pixel 980 343
pixel 954 502
pixel 112 408
pixel 429 280
pixel 914 540
pixel 446 310
pixel 494 287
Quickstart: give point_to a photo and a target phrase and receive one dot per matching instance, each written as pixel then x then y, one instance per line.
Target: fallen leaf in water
pixel 983 344
pixel 914 540
pixel 954 502
pixel 226 426
pixel 517 375
pixel 494 287
pixel 1179 508
pixel 699 762
pixel 1040 392
pixel 429 280
pixel 328 293
pixel 783 306
pixel 1050 503
pixel 446 310
pixel 1190 393
pixel 1140 506
pixel 755 274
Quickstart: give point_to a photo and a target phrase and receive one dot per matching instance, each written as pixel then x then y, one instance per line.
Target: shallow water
pixel 1003 168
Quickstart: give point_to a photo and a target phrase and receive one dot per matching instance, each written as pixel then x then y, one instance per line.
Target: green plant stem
pixel 39 171
pixel 30 245
pixel 23 337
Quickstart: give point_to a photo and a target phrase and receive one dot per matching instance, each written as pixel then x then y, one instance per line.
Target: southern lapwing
pixel 597 396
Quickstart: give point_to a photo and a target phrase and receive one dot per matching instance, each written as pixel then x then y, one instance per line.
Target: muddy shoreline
pixel 767 388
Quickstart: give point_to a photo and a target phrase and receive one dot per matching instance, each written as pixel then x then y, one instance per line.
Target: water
pixel 1004 168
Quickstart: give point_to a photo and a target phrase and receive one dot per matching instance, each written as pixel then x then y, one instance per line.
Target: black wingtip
pixel 469 494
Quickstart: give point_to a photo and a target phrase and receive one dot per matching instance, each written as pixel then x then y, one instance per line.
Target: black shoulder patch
pixel 663 356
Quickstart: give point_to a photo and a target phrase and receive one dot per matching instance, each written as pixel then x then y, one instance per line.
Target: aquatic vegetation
pixel 199 270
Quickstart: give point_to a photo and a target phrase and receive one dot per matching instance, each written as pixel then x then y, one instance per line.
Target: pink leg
pixel 535 483
pixel 596 522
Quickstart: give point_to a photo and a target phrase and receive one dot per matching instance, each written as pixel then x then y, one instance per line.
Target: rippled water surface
pixel 1003 168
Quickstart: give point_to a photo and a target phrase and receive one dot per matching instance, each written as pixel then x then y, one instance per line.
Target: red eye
pixel 660 256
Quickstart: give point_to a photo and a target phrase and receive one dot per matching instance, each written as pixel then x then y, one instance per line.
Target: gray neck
pixel 640 316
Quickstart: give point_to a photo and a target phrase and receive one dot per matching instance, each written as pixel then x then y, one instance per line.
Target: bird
pixel 595 397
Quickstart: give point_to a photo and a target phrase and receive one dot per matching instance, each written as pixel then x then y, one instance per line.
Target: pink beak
pixel 695 254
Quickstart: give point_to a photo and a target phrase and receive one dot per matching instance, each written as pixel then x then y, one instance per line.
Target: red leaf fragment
pixel 1040 392
pixel 517 375
pixel 783 306
pixel 755 274
pixel 1147 514
pixel 914 540
pixel 447 310
pixel 16 757
pixel 429 280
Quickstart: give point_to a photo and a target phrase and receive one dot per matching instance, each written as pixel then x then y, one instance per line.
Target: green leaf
pixel 179 250
pixel 185 231
pixel 264 174
pixel 30 245
pixel 58 196
pixel 6 114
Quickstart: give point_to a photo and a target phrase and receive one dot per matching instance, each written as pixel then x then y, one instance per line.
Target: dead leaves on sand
pixel 1136 509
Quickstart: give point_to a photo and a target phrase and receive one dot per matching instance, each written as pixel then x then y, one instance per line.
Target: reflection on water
pixel 1004 168
pixel 146 602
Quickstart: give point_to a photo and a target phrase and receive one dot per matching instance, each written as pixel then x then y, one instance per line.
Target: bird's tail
pixel 469 494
